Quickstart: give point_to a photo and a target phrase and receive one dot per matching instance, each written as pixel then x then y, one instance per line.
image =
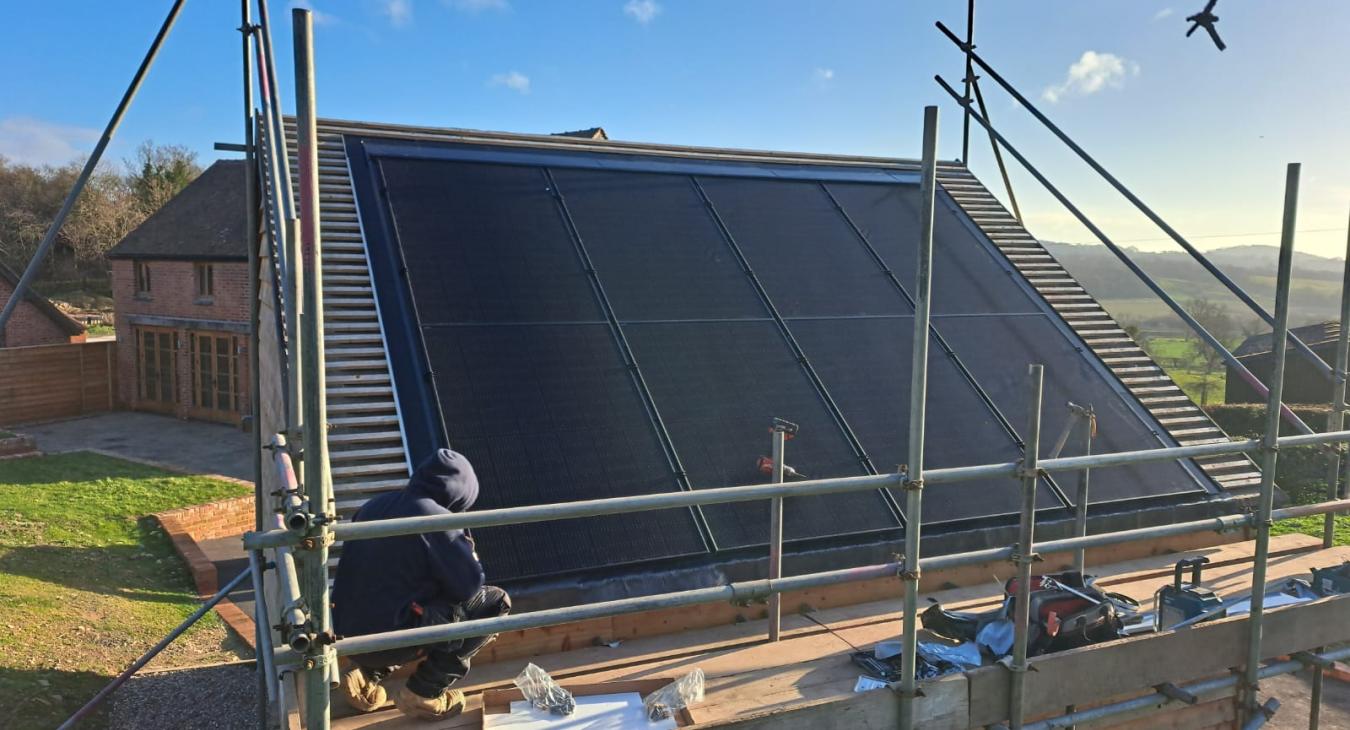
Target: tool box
pixel 1175 603
pixel 1331 581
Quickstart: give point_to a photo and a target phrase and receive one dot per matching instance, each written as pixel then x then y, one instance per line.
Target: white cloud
pixel 1091 73
pixel 32 141
pixel 1164 13
pixel 320 17
pixel 477 6
pixel 823 75
pixel 643 11
pixel 399 12
pixel 513 80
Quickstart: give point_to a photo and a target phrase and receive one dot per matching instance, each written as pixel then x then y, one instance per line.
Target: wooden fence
pixel 57 381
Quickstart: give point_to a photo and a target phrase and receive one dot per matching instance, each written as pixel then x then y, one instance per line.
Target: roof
pixel 43 304
pixel 588 133
pixel 204 221
pixel 1312 334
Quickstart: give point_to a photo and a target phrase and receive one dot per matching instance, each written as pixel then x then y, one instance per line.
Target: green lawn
pixel 1313 526
pixel 87 583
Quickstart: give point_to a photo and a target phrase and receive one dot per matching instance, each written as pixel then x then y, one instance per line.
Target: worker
pixel 409 581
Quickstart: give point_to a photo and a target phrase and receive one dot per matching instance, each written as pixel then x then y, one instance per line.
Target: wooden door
pixel 156 369
pixel 215 376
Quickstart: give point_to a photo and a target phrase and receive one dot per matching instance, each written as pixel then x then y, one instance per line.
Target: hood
pixel 448 479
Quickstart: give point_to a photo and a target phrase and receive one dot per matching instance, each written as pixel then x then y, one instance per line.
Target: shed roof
pixel 1311 334
pixel 43 304
pixel 204 221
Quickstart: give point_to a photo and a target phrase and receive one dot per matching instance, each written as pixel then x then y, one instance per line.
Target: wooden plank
pixel 943 707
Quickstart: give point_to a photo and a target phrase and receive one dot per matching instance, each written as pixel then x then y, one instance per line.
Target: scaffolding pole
pixel 779 436
pixel 1026 550
pixel 320 662
pixel 1335 422
pixel 49 239
pixel 1270 451
pixel 918 405
pixel 1143 276
pixel 1302 347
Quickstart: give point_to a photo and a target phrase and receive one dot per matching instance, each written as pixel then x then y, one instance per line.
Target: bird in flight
pixel 1206 18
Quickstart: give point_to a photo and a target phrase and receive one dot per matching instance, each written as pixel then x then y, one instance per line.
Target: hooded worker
pixel 403 582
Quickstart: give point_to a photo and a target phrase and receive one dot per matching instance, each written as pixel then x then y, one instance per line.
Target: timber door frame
pixel 220 381
pixel 150 392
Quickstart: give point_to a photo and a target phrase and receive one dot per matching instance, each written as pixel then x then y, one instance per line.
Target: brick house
pixel 36 321
pixel 180 297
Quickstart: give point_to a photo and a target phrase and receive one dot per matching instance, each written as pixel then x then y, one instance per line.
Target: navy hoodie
pixel 379 580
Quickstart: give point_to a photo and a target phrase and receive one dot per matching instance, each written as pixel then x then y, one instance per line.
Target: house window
pixel 206 282
pixel 142 278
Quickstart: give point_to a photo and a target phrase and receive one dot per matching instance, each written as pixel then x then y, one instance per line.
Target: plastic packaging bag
pixel 544 693
pixel 677 695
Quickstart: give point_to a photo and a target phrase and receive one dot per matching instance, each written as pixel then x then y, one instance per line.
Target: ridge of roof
pixel 205 220
pixel 452 134
pixel 44 305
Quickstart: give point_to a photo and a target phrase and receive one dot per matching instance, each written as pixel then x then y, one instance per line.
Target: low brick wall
pixel 189 525
pixel 215 519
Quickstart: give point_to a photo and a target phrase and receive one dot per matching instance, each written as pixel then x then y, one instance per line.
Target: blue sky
pixel 1201 135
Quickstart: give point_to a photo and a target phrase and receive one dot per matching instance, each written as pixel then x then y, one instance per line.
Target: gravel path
pixel 221 696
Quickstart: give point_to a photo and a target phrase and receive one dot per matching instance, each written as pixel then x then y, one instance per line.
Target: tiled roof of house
pixel 43 304
pixel 204 221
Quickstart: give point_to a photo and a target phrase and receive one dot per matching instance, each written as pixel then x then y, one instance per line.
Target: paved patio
pixel 194 446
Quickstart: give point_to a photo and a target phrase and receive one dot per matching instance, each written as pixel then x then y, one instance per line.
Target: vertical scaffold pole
pixel 1025 557
pixel 969 81
pixel 776 534
pixel 266 680
pixel 318 480
pixel 918 403
pixel 1280 343
pixel 1335 422
pixel 1080 518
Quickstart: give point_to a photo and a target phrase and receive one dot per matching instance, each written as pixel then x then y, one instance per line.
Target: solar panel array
pixel 593 328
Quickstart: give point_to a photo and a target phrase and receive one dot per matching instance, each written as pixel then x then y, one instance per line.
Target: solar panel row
pixel 740 299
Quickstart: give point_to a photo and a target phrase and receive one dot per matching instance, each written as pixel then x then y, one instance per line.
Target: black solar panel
pixel 719 386
pixel 967 278
pixel 999 348
pixel 485 243
pixel 866 364
pixel 808 258
pixel 547 413
pixel 657 249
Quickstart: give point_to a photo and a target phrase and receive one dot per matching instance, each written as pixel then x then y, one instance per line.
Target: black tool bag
pixel 1067 611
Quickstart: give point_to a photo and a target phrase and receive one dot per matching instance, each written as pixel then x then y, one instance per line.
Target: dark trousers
pixel 446 662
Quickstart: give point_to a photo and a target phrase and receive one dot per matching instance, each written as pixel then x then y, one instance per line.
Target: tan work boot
pixel 362 692
pixel 448 704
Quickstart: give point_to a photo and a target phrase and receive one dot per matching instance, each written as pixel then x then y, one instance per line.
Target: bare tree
pixel 156 173
pixel 1215 318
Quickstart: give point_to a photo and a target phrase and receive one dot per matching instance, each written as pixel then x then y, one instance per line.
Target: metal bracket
pixel 1173 692
pixel 911 484
pixel 910 574
pixel 914 694
pixel 320 659
pixel 323 539
pixel 1019 559
pixel 1312 660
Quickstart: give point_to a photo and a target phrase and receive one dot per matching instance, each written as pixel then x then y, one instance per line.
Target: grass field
pixel 88 583
pixel 1178 358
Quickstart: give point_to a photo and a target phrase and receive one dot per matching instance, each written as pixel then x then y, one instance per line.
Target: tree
pixel 1215 318
pixel 156 173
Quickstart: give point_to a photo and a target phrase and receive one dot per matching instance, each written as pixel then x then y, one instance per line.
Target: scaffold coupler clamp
pixel 788 428
pixel 1018 558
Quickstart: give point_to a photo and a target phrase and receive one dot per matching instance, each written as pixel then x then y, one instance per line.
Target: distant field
pixel 1178 358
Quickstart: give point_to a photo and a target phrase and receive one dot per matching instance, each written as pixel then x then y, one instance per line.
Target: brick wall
pixel 30 326
pixel 225 518
pixel 173 293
